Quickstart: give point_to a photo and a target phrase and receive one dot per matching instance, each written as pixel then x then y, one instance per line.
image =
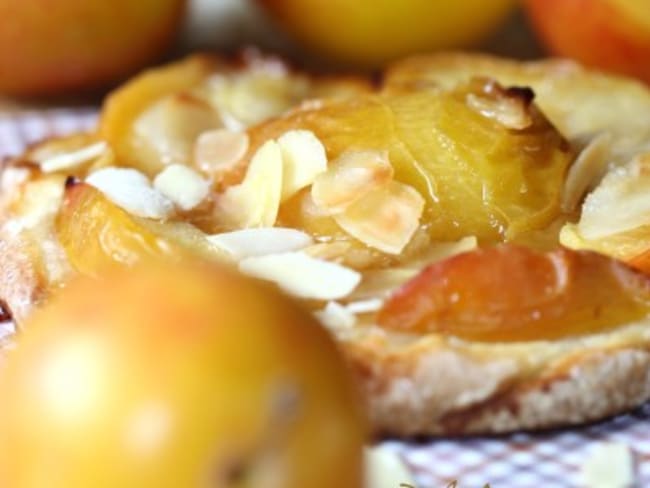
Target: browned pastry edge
pixel 422 394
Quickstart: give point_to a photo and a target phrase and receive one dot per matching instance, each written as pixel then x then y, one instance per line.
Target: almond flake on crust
pixel 218 151
pixel 336 316
pixel 182 185
pixel 303 276
pixel 11 177
pixel 384 469
pixel 169 128
pixel 385 218
pixel 37 205
pixel 74 159
pixel 248 98
pixel 587 170
pixel 620 202
pixel 329 251
pixel 365 306
pixel 131 190
pixel 349 178
pixel 510 107
pixel 247 243
pixel 256 201
pixel 610 465
pixel 339 317
pixel 304 159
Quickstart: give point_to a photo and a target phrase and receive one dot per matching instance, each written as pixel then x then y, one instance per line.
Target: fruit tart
pixel 473 230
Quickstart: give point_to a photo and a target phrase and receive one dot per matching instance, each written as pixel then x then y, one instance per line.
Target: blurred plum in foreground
pixel 169 376
pixel 58 47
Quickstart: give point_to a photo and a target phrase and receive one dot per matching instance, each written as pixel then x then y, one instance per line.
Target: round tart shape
pixel 421 220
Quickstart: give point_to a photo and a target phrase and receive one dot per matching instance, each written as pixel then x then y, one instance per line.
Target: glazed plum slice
pixel 512 293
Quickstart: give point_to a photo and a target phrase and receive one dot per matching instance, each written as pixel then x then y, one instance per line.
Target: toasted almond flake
pixel 247 98
pixel 10 178
pixel 303 276
pixel 7 331
pixel 610 465
pixel 349 178
pixel 246 243
pixel 385 469
pixel 510 112
pixel 437 251
pixel 74 159
pixel 182 185
pixel 166 131
pixel 385 218
pixel 329 251
pixel 365 306
pixel 218 151
pixel 381 283
pixel 336 316
pixel 587 170
pixel 256 201
pixel 132 191
pixel 304 158
pixel 37 206
pixel 619 203
pixel 570 237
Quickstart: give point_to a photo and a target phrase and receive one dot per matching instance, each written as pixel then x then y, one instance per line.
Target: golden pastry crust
pixel 448 387
pixel 32 262
pixel 415 384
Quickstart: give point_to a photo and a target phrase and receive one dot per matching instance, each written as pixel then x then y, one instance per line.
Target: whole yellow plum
pixel 371 32
pixel 177 376
pixel 613 35
pixel 56 47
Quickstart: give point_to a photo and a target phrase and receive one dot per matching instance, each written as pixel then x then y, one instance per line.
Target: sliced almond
pixel 365 306
pixel 587 171
pixel 216 152
pixel 381 283
pixel 570 237
pixel 261 242
pixel 256 201
pixel 336 316
pixel 38 202
pixel 329 251
pixel 510 114
pixel 166 132
pixel 610 465
pixel 304 159
pixel 385 218
pixel 385 469
pixel 182 185
pixel 132 191
pixel 378 284
pixel 620 202
pixel 349 178
pixel 74 159
pixel 11 177
pixel 250 97
pixel 510 107
pixel 303 276
pixel 437 251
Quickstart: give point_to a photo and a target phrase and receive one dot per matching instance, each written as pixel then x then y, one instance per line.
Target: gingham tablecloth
pixel 519 461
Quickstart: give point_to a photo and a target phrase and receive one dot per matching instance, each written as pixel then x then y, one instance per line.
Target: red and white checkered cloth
pixel 517 461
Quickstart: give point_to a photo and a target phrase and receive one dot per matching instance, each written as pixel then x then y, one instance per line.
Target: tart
pixel 472 230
